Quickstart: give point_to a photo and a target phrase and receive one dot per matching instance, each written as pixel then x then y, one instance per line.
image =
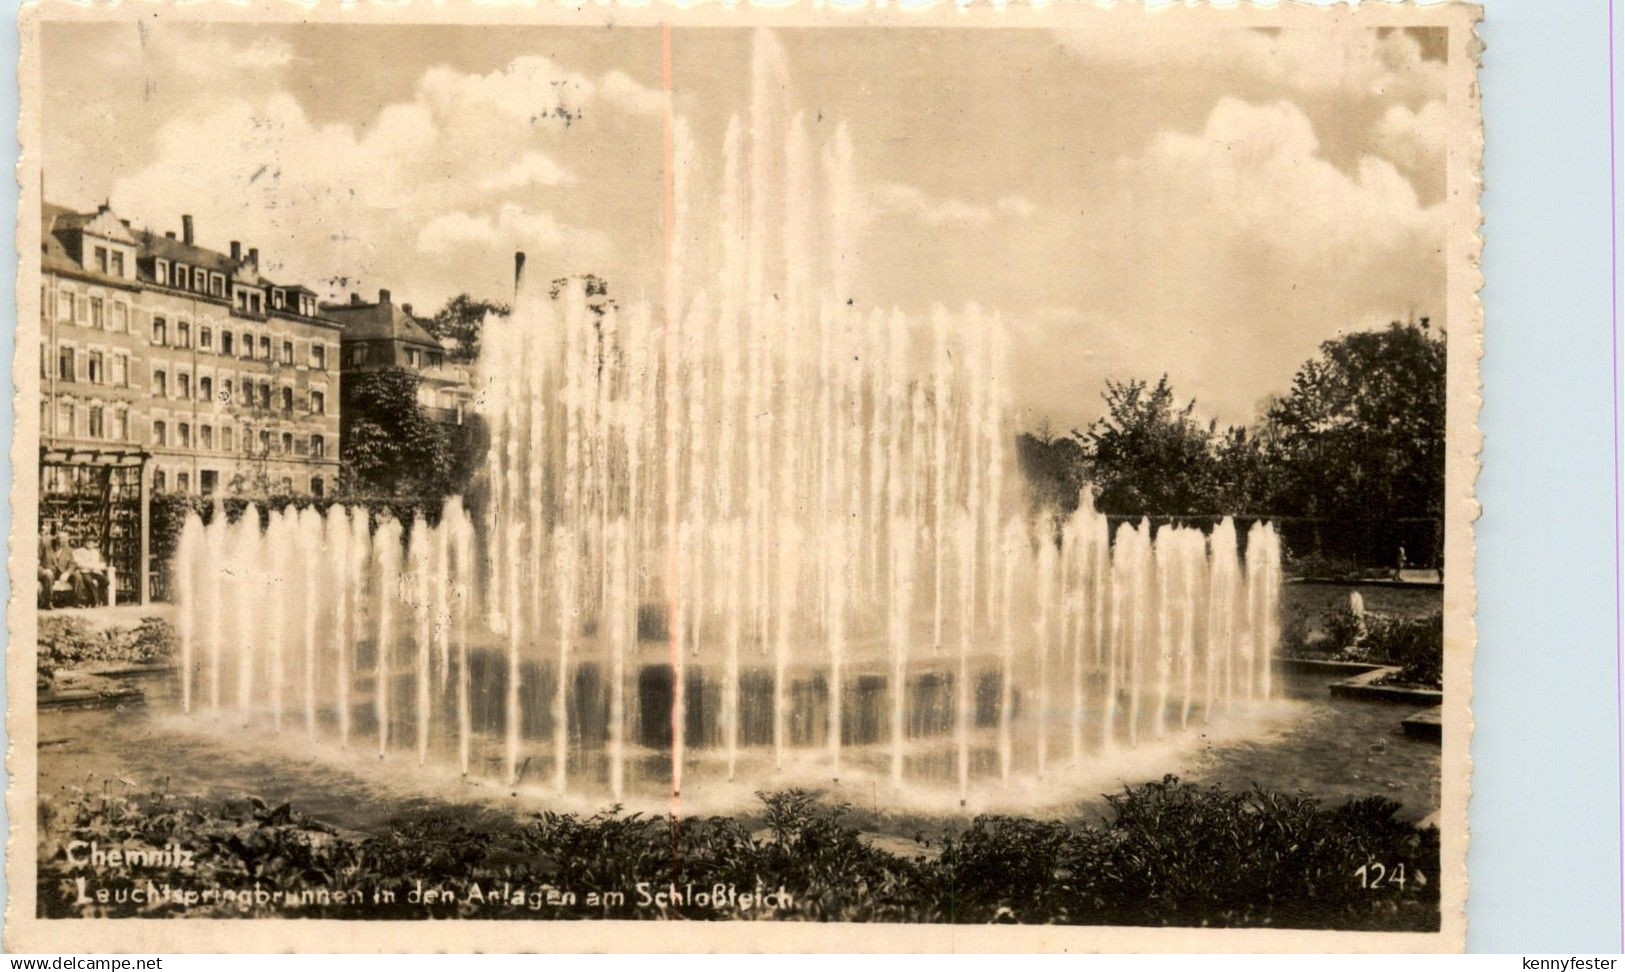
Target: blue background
pixel 1545 858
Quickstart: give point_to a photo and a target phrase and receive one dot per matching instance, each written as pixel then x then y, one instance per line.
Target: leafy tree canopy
pixel 1361 432
pixel 458 324
pixel 391 447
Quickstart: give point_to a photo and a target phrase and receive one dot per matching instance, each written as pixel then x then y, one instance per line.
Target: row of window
pixel 230 346
pixel 265 443
pixel 103 368
pixel 111 423
pixel 93 421
pixel 96 312
pixel 88 310
pixel 209 482
pixel 109 263
pixel 184 277
pixel 360 354
pixel 253 396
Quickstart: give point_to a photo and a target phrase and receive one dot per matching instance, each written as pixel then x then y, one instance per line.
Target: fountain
pixel 756 537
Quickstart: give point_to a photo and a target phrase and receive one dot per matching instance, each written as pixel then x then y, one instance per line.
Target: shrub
pixel 1167 853
pixel 1416 645
pixel 1324 567
pixel 71 641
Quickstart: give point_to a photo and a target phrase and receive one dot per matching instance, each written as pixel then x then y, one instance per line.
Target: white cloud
pixel 530 169
pixel 1255 172
pixel 265 53
pixel 895 197
pixel 195 53
pixel 1342 57
pixel 1233 251
pixel 1414 140
pixel 620 89
pixel 1017 207
pixel 513 227
pixel 451 170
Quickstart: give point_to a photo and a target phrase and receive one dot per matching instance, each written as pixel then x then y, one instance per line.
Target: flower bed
pixel 1166 853
pixel 72 642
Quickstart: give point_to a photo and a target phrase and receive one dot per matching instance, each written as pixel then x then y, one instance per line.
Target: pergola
pixel 101 491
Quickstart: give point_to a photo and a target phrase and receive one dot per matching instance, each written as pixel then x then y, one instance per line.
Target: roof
pixel 57 224
pixel 60 223
pixel 380 321
pixel 176 251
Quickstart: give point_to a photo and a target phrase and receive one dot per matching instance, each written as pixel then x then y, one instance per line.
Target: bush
pixel 1167 853
pixel 1416 645
pixel 1324 567
pixel 66 642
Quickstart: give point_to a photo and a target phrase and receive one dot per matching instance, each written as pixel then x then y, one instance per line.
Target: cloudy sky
pixel 1132 206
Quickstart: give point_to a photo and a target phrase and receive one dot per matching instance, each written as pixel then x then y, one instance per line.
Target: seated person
pixel 56 567
pixel 90 574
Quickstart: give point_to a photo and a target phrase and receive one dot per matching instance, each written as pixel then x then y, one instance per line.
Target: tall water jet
pixel 754 532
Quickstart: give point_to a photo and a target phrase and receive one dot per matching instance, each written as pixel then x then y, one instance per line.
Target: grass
pixel 1163 853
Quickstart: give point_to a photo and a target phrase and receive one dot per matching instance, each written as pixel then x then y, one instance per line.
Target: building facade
pixel 229 381
pixel 384 335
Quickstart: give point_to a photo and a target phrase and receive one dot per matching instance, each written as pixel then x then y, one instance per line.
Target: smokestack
pixel 236 252
pixel 254 256
pixel 383 296
pixel 518 267
pixel 355 299
pixel 407 308
pixel 186 229
pixel 169 234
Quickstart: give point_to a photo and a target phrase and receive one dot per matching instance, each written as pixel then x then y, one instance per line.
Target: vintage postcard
pixel 720 477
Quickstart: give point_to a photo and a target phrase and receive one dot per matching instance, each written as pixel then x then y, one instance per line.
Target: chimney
pixel 169 234
pixel 355 299
pixel 236 252
pixel 186 229
pixel 518 267
pixel 383 296
pixel 407 308
pixel 254 256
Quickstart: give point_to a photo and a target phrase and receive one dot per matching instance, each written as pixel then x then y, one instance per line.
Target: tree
pixel 1054 466
pixel 1150 455
pixel 594 288
pixel 391 447
pixel 1361 433
pixel 458 324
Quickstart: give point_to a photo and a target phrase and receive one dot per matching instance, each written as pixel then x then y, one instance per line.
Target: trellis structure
pixel 101 492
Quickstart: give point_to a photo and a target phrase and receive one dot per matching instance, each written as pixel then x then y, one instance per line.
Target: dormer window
pixel 160 271
pixel 101 259
pixel 217 285
pixel 118 263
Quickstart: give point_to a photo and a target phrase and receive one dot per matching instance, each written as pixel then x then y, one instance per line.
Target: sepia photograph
pixel 630 469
